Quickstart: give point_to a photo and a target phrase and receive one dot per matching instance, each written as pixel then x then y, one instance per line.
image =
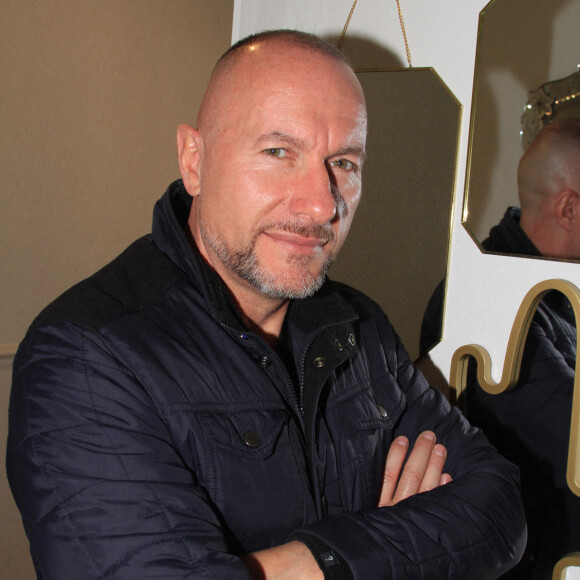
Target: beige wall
pixel 90 95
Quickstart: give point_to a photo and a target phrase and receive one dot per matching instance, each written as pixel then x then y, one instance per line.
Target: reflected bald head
pixel 549 190
pixel 550 165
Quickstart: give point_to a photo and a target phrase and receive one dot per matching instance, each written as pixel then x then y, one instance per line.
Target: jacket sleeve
pixel 473 527
pixel 101 489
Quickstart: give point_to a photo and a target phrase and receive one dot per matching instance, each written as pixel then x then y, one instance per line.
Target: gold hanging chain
pixel 343 33
pixel 401 22
pixel 403 30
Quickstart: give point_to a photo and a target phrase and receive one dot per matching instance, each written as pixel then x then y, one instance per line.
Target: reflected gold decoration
pixel 553 100
pixel 510 375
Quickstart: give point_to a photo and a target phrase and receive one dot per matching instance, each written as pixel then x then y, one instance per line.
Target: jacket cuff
pixel 332 565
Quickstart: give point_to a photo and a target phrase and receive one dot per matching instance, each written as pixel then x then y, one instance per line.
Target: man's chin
pixel 289 286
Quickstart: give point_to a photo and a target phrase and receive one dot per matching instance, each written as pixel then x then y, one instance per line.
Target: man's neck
pixel 261 314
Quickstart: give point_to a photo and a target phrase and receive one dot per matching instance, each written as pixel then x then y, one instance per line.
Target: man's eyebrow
pixel 280 137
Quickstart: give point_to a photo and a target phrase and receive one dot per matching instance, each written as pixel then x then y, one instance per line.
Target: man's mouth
pixel 299 238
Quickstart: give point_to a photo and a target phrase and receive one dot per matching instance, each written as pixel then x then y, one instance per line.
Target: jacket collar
pixel 171 234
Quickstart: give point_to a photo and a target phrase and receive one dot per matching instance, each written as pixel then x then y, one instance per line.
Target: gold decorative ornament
pixel 512 364
pixel 560 571
pixel 510 375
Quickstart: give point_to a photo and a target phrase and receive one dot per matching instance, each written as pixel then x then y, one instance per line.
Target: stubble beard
pixel 294 283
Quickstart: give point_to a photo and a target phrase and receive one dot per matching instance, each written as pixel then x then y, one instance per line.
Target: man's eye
pixel 276 152
pixel 344 164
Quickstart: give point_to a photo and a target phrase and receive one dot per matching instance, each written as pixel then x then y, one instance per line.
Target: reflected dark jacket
pixel 153 435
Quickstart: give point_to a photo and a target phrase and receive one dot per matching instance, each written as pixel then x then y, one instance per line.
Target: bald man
pixel 531 423
pixel 210 405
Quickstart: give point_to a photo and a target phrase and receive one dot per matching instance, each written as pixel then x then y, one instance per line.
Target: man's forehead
pixel 273 76
pixel 293 119
pixel 271 58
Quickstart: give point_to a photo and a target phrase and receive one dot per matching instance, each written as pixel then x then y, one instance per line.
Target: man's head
pixel 274 166
pixel 549 190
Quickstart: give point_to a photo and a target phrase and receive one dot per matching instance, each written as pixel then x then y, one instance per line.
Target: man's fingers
pixel 445 478
pixel 393 467
pixel 433 473
pixel 416 467
pixel 423 470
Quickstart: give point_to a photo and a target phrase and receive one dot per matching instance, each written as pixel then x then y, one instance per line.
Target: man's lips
pixel 297 243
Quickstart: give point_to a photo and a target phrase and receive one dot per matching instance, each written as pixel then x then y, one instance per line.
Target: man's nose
pixel 314 195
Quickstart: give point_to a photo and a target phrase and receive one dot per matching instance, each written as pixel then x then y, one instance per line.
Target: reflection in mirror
pixel 522 45
pixel 396 251
pixel 552 101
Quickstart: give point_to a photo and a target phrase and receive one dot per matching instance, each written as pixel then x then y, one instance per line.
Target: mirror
pixel 396 251
pixel 522 45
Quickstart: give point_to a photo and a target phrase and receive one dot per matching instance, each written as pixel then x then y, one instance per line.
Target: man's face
pixel 283 146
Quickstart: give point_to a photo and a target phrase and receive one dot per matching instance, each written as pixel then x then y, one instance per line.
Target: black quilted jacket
pixel 153 436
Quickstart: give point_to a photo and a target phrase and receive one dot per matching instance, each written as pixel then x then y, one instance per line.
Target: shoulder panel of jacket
pixel 132 281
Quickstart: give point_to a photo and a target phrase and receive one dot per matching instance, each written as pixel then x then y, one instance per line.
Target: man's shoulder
pixel 132 281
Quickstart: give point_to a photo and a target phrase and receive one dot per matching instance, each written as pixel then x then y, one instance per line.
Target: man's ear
pixel 567 210
pixel 189 154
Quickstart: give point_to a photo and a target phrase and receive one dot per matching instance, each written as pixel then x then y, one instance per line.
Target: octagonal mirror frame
pixel 396 251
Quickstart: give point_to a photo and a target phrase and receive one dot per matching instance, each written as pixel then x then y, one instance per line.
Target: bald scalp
pixel 550 165
pixel 210 107
pixel 290 37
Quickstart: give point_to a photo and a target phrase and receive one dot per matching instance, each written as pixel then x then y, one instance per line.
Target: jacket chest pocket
pixel 354 453
pixel 255 472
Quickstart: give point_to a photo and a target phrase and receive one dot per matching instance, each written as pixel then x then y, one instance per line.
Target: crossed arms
pixel 422 472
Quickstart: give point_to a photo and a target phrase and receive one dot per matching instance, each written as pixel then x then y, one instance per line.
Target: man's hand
pixel 291 561
pixel 423 470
